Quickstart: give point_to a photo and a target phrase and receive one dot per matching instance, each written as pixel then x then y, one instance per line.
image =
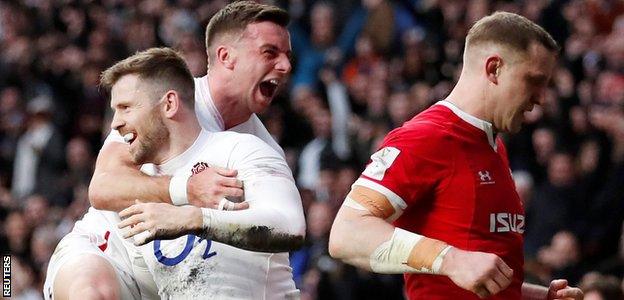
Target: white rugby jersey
pixel 192 268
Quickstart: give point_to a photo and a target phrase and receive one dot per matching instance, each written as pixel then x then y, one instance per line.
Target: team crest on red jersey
pixel 199 167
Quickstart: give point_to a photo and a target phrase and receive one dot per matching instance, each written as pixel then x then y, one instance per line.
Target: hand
pixel 484 274
pixel 208 187
pixel 150 221
pixel 559 289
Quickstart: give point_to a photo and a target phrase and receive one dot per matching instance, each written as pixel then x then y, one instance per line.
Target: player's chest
pixel 484 180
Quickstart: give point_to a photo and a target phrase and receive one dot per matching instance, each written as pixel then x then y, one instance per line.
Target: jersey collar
pixel 485 126
pixel 179 161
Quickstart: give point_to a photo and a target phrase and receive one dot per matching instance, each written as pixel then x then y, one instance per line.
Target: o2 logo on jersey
pixel 190 241
pixel 506 222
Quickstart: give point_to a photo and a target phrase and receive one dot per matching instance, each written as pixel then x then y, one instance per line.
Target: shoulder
pixel 244 144
pixel 427 130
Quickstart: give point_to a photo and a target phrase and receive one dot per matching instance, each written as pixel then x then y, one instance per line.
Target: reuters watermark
pixel 6 275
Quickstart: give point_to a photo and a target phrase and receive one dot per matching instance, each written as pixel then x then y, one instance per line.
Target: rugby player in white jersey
pixel 160 117
pixel 248 53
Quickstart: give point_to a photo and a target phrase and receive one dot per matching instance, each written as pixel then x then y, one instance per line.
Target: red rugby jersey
pixel 452 179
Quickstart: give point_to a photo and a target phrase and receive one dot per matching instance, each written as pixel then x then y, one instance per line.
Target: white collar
pixel 210 102
pixel 485 126
pixel 171 165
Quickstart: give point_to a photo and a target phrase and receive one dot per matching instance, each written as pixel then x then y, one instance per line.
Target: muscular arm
pixel 117 181
pixel 364 238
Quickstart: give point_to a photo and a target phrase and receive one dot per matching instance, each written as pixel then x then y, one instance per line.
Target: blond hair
pixel 511 30
pixel 163 68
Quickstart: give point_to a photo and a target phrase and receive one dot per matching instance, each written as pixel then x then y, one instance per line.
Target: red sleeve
pixel 409 164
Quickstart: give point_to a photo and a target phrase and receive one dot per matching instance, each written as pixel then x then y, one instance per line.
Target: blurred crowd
pixel 361 68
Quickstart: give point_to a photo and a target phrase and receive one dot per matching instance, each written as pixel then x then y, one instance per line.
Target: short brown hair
pixel 512 30
pixel 164 67
pixel 234 18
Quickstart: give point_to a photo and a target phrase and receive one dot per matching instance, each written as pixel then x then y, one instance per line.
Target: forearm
pixel 251 230
pixel 272 224
pixel 117 182
pixel 534 292
pixel 355 245
pixel 119 190
pixel 371 243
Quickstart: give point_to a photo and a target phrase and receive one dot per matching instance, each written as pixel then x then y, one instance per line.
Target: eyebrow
pixel 119 103
pixel 275 48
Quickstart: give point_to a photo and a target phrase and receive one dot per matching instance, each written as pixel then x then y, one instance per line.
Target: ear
pixel 225 56
pixel 172 104
pixel 493 65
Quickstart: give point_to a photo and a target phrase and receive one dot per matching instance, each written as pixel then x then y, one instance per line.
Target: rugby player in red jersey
pixel 438 197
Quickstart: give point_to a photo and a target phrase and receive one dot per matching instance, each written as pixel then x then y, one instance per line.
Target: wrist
pixel 194 218
pixel 437 263
pixel 178 189
pixel 447 261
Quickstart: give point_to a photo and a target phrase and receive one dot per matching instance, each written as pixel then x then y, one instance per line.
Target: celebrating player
pixel 248 59
pixel 438 197
pixel 161 118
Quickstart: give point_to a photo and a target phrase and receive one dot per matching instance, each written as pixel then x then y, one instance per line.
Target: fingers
pixel 138 228
pixel 232 192
pixel 502 280
pixel 492 287
pixel 225 172
pixel 143 238
pixel 131 221
pixel 570 293
pixel 231 182
pixel 225 204
pixel 240 206
pixel 505 269
pixel 558 284
pixel 132 210
pixel 482 292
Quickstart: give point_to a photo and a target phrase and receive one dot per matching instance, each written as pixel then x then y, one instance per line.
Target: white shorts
pixel 73 247
pixel 97 234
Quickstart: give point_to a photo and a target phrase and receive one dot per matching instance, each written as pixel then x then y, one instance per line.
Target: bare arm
pixel 359 236
pixel 117 182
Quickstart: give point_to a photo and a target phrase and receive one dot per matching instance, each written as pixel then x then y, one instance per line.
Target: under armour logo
pixel 485 177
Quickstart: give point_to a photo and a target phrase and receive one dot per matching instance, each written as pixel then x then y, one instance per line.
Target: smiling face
pixel 137 117
pixel 522 86
pixel 261 63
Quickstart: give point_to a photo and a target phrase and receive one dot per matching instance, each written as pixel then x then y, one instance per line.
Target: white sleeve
pixel 274 221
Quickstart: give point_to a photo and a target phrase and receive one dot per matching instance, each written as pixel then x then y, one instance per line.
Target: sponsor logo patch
pixel 380 162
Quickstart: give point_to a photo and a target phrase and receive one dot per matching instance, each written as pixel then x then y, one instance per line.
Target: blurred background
pixel 361 68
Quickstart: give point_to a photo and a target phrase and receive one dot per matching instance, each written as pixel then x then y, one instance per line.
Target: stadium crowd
pixel 361 68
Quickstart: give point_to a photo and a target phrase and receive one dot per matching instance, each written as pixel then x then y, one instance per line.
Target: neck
pixel 465 98
pixel 182 134
pixel 230 106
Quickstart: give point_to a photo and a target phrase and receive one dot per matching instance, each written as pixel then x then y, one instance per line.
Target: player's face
pixel 137 116
pixel 263 63
pixel 524 87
